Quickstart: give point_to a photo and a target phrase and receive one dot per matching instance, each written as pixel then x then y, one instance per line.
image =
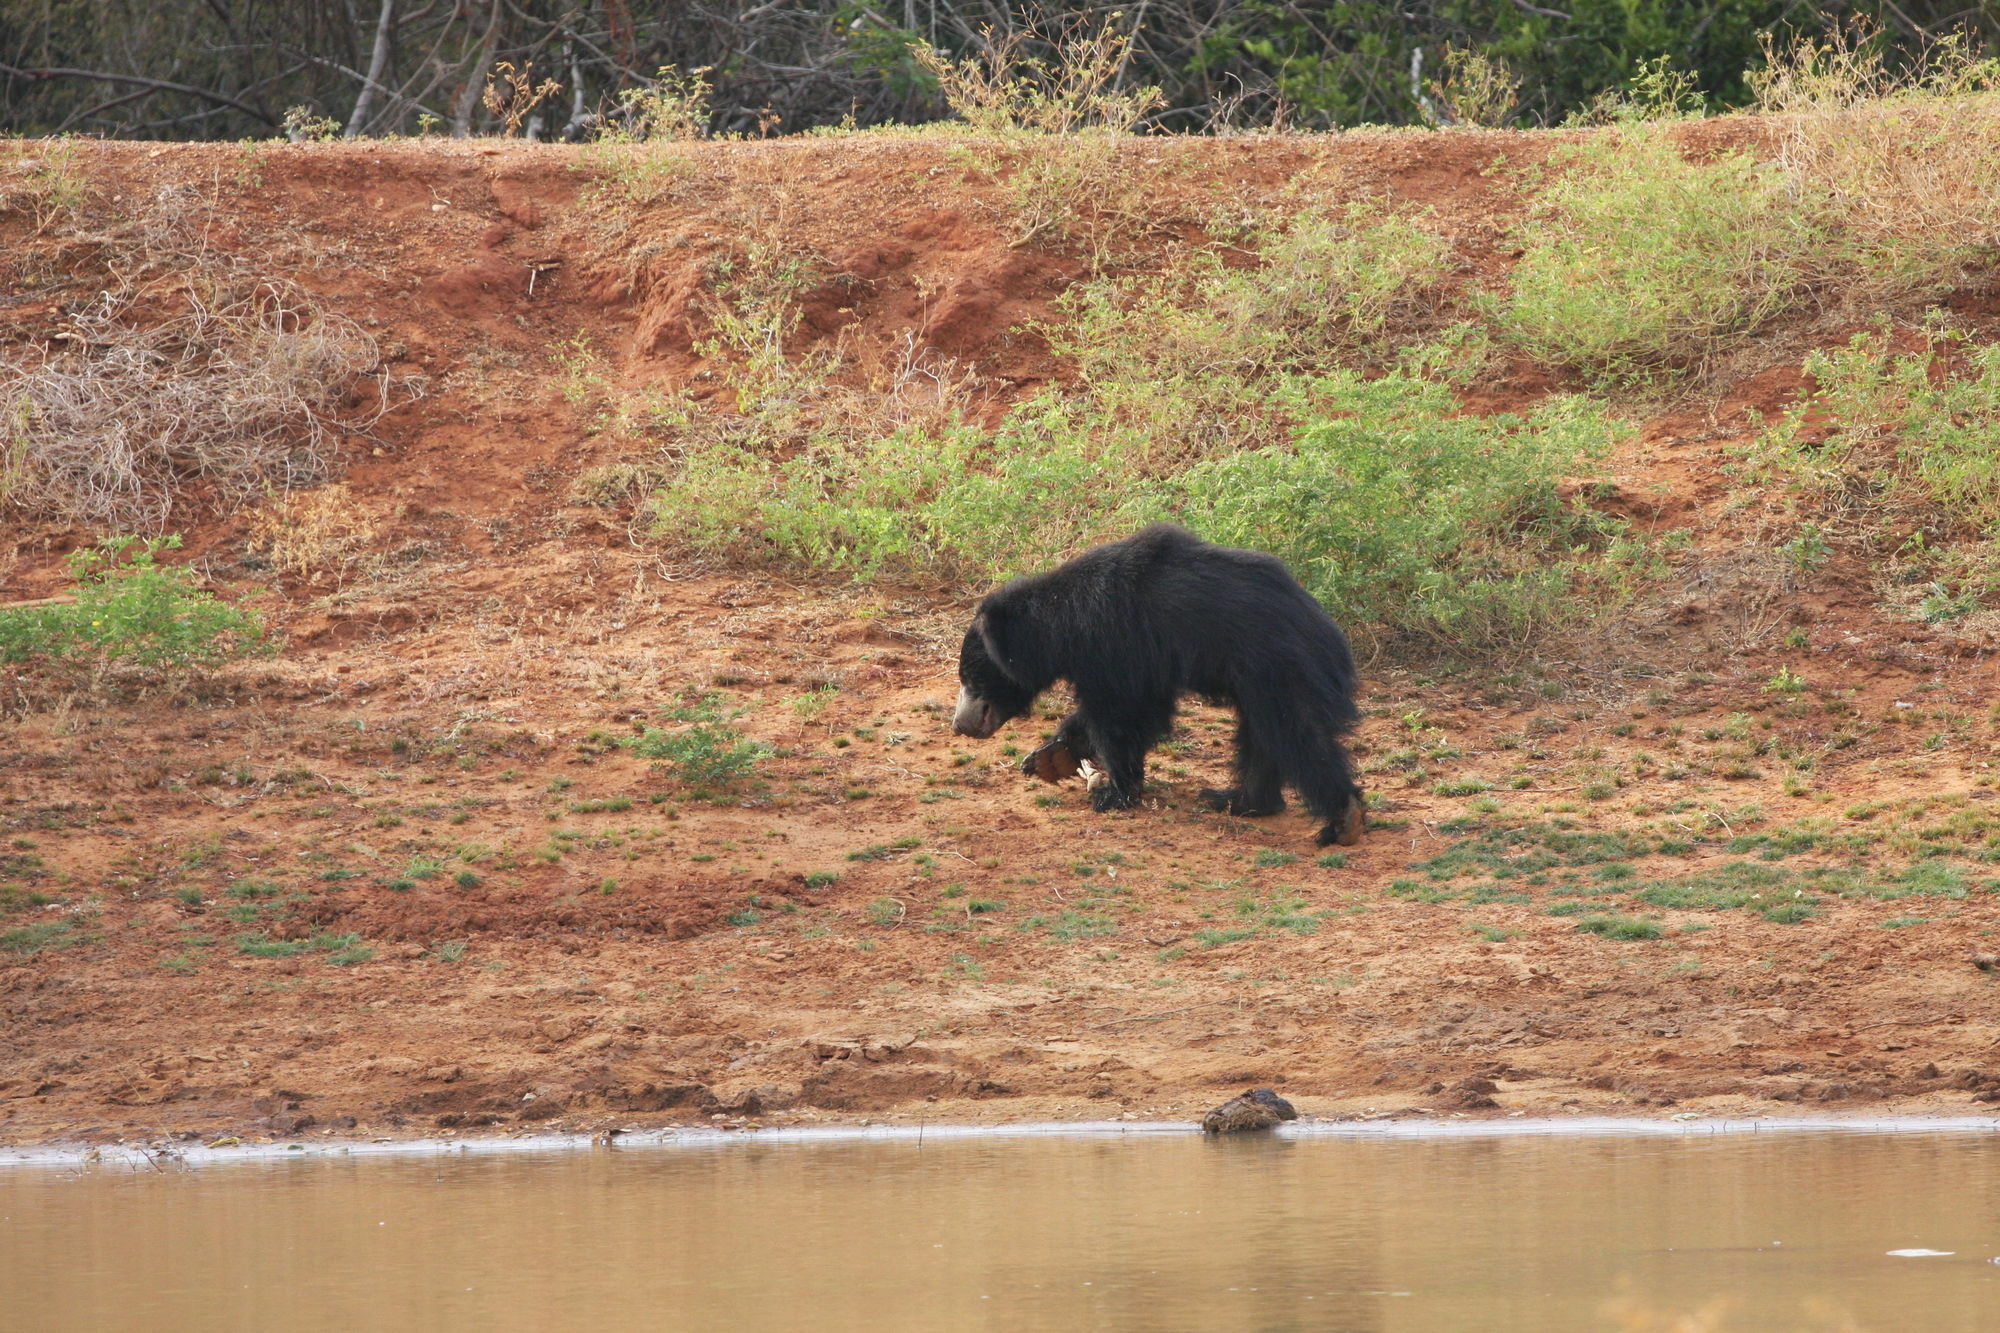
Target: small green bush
pixel 1884 437
pixel 1406 516
pixel 1639 260
pixel 706 751
pixel 130 609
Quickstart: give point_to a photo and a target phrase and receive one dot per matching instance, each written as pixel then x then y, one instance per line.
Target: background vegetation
pixel 230 68
pixel 1291 373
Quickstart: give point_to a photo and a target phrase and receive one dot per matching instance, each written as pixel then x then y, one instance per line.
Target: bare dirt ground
pixel 561 939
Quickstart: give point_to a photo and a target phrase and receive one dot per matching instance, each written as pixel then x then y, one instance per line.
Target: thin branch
pixel 154 85
pixel 100 108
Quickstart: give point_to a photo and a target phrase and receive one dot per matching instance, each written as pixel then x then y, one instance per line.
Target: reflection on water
pixel 1753 1232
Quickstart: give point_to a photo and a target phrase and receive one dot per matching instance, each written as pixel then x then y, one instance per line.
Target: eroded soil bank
pixel 891 923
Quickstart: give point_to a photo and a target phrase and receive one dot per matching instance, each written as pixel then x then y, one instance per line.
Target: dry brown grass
pixel 1904 157
pixel 1079 86
pixel 231 394
pixel 314 534
pixel 1069 180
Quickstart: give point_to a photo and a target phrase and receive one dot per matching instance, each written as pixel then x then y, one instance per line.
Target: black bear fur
pixel 1134 625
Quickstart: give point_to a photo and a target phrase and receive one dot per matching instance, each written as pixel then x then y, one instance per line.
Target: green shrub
pixel 1350 280
pixel 130 609
pixel 706 750
pixel 1887 438
pixel 1204 396
pixel 1402 515
pixel 1638 259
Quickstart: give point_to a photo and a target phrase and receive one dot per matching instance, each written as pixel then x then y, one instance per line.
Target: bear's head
pixel 988 697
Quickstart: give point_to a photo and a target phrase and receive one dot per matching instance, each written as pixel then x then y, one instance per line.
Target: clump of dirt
pixel 406 878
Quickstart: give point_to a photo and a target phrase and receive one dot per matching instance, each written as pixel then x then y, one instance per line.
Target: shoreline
pixel 170 1156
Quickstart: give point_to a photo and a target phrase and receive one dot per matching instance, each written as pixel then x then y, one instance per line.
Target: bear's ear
pixel 991 625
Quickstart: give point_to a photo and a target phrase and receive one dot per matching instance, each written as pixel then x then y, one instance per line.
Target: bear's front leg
pixel 1118 745
pixel 1064 753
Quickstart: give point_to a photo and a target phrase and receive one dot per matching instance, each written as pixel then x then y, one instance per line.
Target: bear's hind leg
pixel 1325 782
pixel 1259 788
pixel 1318 767
pixel 1347 830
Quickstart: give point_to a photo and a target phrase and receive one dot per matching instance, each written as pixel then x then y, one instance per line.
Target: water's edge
pixel 178 1156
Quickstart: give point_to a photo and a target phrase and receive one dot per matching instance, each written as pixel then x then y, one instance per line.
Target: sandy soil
pixel 562 939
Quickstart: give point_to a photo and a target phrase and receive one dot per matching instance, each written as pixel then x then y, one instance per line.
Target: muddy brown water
pixel 1308 1231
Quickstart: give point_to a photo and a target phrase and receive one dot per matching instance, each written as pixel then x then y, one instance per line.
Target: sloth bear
pixel 1135 624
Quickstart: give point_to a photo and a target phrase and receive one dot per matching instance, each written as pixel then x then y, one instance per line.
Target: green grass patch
pixel 882 851
pixel 37 936
pixel 1279 911
pixel 1535 847
pixel 1416 520
pixel 1616 926
pixel 341 950
pixel 1071 925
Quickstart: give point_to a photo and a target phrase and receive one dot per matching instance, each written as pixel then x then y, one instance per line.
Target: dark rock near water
pixel 1469 1094
pixel 1259 1108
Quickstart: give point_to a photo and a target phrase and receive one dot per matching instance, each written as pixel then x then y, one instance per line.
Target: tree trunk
pixel 475 78
pixel 377 62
